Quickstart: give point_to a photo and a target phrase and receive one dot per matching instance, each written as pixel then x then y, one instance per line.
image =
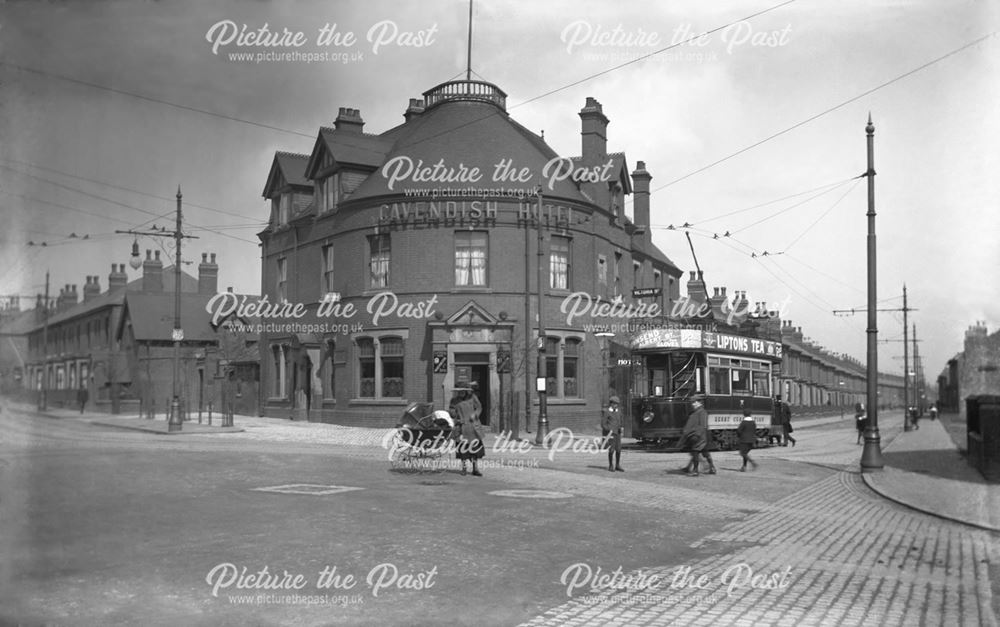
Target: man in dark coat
pixel 82 396
pixel 695 436
pixel 785 414
pixel 746 437
pixel 611 429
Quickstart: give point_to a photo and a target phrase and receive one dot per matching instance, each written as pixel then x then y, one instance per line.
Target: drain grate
pixel 310 489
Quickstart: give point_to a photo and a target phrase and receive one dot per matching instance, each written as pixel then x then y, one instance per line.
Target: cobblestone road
pixel 847 557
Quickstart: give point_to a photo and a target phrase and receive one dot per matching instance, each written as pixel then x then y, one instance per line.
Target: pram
pixel 422 433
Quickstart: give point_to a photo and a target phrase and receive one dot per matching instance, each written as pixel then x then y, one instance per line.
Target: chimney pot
pixel 213 257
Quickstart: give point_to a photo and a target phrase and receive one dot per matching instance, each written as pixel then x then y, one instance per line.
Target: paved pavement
pixel 924 470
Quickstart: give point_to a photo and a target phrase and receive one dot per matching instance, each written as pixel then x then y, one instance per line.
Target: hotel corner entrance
pixel 475 368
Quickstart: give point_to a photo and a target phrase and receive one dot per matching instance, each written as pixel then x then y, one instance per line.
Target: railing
pixel 476 91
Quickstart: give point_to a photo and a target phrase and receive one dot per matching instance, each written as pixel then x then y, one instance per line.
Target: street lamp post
pixel 871 456
pixel 175 422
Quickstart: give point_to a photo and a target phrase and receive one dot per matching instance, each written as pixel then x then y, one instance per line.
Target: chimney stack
pixel 349 120
pixel 416 108
pixel 117 279
pixel 594 131
pixel 208 275
pixel 640 200
pixel 152 273
pixel 697 292
pixel 92 288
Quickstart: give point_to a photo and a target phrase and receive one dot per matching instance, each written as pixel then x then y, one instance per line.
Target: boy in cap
pixel 611 429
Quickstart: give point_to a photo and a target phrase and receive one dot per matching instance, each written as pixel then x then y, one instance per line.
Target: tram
pixel 670 366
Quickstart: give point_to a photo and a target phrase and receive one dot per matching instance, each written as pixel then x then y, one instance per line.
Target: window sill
pixel 381 402
pixel 475 289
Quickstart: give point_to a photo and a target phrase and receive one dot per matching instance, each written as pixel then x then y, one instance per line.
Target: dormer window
pixel 329 193
pixel 282 207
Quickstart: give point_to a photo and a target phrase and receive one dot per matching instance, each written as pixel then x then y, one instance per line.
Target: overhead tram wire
pixel 652 54
pixel 580 81
pixel 777 200
pixel 789 208
pixel 729 233
pixel 122 92
pixel 118 187
pixel 114 202
pixel 825 213
pixel 829 110
pixel 494 112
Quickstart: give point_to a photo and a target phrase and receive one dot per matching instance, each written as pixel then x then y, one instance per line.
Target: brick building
pixel 413 253
pixel 97 342
pixel 974 371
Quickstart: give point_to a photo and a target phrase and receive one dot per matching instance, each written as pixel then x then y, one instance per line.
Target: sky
pixel 756 128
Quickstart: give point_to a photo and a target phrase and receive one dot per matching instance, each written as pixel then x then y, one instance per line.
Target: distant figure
pixel 860 420
pixel 934 411
pixel 785 413
pixel 476 403
pixel 611 429
pixel 695 436
pixel 776 421
pixel 82 396
pixel 746 437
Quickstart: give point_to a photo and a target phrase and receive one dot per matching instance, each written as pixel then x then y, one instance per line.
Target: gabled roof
pixel 152 317
pixel 113 298
pixel 347 148
pixel 619 166
pixel 287 168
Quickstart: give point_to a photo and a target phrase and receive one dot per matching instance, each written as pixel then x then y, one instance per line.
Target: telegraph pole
pixel 178 334
pixel 871 456
pixel 906 366
pixel 543 419
pixel 175 423
pixel 42 398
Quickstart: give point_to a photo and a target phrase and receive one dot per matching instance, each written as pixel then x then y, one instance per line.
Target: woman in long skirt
pixel 468 432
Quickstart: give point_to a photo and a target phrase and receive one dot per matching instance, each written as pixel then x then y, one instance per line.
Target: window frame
pixel 469 268
pixel 374 254
pixel 326 269
pixel 281 279
pixel 563 270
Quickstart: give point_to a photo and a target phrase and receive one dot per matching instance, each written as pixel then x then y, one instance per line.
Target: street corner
pixel 161 427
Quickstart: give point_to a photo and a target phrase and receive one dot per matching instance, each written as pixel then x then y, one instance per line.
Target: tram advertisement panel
pixel 698 339
pixel 731 421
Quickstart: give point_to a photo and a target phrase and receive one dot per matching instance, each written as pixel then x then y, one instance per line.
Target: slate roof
pixel 289 166
pixel 189 284
pixel 152 317
pixel 473 134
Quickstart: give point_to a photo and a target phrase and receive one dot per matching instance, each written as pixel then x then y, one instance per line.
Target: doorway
pixel 480 374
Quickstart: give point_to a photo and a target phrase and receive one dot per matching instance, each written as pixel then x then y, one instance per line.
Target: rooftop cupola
pixel 465 91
